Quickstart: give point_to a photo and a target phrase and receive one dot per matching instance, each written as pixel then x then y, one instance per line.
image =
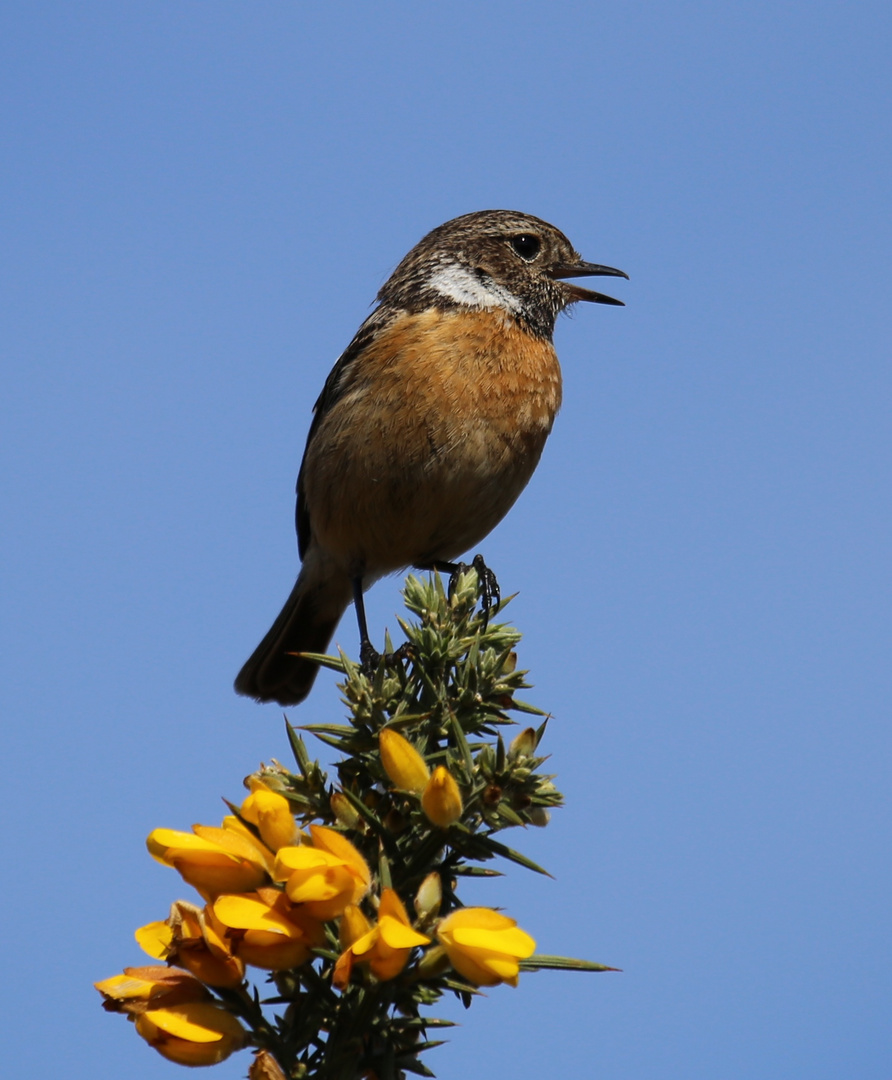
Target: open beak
pixel 587 269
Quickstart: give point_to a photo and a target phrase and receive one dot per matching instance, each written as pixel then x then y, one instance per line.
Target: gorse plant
pixel 347 893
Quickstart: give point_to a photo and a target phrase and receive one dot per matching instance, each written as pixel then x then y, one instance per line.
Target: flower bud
pixel 441 799
pixel 429 896
pixel 432 963
pixel 523 744
pixel 402 762
pixel 271 813
pixel 344 810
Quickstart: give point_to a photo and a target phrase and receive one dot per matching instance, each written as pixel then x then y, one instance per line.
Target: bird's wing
pixel 339 379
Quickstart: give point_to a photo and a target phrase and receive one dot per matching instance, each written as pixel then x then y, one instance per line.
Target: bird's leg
pixel 487 584
pixel 369 657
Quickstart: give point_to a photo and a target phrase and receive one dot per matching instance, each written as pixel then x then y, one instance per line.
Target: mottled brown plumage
pixel 429 425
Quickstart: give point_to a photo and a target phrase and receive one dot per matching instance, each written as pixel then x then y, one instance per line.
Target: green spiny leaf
pixel 539 962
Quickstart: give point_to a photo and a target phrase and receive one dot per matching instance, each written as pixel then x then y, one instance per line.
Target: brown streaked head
pixel 496 259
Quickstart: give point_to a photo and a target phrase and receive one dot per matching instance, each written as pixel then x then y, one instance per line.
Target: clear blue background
pixel 198 203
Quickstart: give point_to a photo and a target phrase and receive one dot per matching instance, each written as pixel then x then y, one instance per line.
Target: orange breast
pixel 439 427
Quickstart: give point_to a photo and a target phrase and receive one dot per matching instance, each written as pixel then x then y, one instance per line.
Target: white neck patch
pixel 458 283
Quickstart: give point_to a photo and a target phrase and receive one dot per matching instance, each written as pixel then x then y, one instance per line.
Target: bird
pixel 427 429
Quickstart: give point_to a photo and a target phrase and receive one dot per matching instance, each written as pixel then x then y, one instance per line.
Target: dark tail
pixel 305 624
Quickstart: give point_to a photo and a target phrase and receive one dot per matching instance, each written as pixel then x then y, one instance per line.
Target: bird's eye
pixel 526 246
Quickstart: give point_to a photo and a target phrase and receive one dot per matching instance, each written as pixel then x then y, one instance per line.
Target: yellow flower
pixel 336 843
pixel 386 946
pixel 271 813
pixel 212 860
pixel 326 877
pixel 194 1033
pixel 402 762
pixel 320 881
pixel 484 945
pixel 155 938
pixel 195 940
pixel 265 930
pixel 140 988
pixel 174 1013
pixel 352 927
pixel 441 799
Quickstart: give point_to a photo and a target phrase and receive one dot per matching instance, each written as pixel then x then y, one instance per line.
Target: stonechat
pixel 428 427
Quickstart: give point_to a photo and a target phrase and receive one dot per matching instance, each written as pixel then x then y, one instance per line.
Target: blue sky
pixel 198 203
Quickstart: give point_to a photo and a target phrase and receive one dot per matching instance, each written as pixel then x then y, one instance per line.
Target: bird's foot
pixel 487 587
pixel 370 659
pixel 487 584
